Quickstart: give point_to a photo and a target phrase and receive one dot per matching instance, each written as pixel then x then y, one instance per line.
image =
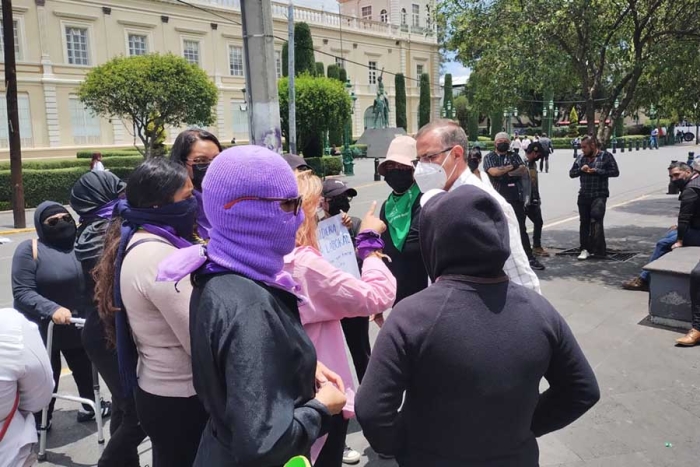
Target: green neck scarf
pixel 399 211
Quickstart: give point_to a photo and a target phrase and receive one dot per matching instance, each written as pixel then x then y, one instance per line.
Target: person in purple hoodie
pixel 195 148
pixel 465 357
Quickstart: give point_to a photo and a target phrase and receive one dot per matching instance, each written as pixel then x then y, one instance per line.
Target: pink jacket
pixel 333 295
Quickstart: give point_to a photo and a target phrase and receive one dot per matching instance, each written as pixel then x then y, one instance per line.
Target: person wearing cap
pixel 534 152
pixel 400 212
pixel 336 200
pixel 297 163
pixel 454 378
pixel 507 171
pixel 442 148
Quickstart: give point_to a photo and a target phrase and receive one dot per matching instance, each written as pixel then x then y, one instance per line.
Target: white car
pixel 689 131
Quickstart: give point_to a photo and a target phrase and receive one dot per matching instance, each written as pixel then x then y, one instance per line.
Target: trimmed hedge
pixel 358 150
pixel 324 166
pixel 109 153
pixel 42 185
pixel 84 164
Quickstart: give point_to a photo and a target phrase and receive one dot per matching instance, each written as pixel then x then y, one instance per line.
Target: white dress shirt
pixel 517 265
pixel 24 367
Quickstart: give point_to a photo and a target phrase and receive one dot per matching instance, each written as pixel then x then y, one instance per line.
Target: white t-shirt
pixel 99 167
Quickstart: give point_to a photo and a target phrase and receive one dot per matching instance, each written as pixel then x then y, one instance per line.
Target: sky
pixel 331 5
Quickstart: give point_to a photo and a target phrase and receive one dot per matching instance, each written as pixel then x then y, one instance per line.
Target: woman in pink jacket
pixel 332 295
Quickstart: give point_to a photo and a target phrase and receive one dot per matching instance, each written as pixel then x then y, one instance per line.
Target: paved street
pixel 650 389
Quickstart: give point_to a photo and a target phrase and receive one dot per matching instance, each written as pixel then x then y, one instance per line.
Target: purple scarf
pixel 203 225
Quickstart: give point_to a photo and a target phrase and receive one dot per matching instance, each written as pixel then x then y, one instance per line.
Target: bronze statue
pixel 381 106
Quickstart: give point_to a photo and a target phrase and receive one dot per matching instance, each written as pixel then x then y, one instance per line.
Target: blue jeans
pixel 663 246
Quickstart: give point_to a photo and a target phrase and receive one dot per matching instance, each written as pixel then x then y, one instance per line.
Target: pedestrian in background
pixel 443 148
pixel 255 368
pixel 48 284
pixel 510 178
pixel 93 198
pixel 548 149
pixel 195 149
pixel 515 144
pixel 443 388
pixel 333 295
pixel 96 163
pixel 26 386
pixel 533 153
pixel 400 212
pixel 149 320
pixel 594 167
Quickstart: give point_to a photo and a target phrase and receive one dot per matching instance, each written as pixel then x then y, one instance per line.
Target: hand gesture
pixel 62 316
pixel 372 222
pixel 324 375
pixel 332 397
pixel 346 219
pixel 378 319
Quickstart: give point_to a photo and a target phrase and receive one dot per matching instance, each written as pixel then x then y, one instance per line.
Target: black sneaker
pixel 536 265
pixel 89 415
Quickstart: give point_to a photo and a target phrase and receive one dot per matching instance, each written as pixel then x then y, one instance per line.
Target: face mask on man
pixel 337 204
pixel 680 183
pixel 502 147
pixel 399 180
pixel 430 176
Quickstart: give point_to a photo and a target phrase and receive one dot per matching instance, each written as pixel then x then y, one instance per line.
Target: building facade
pixel 58 41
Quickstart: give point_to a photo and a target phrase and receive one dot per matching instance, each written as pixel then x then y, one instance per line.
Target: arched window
pixel 403 16
pixel 383 17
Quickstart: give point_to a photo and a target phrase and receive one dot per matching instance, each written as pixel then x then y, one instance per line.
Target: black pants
pixel 544 162
pixel 175 426
pixel 332 453
pixel 695 296
pixel 125 430
pixel 356 332
pixel 591 232
pixel 80 366
pixel 519 209
pixel 534 213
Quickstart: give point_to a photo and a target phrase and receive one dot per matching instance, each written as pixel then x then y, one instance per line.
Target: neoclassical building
pixel 58 41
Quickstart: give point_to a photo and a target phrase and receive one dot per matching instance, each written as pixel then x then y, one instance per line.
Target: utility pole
pixel 13 117
pixel 260 74
pixel 291 71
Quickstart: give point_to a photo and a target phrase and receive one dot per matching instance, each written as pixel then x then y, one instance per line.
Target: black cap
pixel 333 187
pixel 535 146
pixel 296 162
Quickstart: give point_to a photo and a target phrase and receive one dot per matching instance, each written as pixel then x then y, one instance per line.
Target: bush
pixel 320 70
pixel 424 101
pixel 42 185
pixel 84 164
pixel 324 166
pixel 573 123
pixel 109 153
pixel 304 61
pixel 359 150
pixel 400 83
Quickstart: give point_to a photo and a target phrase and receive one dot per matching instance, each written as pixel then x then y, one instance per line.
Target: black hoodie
pixel 470 352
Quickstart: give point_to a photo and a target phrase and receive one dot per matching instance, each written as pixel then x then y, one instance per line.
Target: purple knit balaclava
pixel 252 237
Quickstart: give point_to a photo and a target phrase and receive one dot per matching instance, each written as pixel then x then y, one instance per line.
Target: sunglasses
pixel 286 204
pixel 52 222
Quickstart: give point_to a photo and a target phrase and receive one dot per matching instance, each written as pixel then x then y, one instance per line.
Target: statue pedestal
pixel 379 139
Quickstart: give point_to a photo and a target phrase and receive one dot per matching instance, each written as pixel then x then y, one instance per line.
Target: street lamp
pixel 449 110
pixel 348 163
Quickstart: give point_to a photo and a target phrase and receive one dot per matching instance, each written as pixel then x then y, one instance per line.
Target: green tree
pixel 461 109
pixel 424 100
pixel 320 69
pixel 448 94
pixel 151 91
pixel 601 47
pixel 473 125
pixel 400 84
pixel 285 59
pixel 573 123
pixel 342 74
pixel 321 104
pixel 304 60
pixel 334 72
pixel 496 123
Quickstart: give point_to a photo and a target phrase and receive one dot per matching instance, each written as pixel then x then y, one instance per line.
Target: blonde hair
pixel 310 189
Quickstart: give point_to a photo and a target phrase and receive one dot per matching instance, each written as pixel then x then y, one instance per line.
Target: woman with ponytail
pixel 149 320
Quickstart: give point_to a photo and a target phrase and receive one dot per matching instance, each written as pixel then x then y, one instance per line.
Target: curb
pixel 16 231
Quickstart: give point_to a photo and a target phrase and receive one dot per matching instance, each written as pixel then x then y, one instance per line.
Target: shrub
pixel 320 70
pixel 342 75
pixel 334 72
pixel 304 61
pixel 87 154
pixel 42 185
pixel 400 83
pixel 359 150
pixel 324 166
pixel 573 123
pixel 84 164
pixel 424 101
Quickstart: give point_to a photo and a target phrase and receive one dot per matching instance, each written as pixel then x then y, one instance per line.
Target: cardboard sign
pixel 336 246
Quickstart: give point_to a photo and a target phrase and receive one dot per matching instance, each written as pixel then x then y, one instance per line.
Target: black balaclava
pixel 337 204
pixel 61 235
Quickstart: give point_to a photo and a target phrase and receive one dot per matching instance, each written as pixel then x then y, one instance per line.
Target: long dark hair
pixel 153 183
pixel 185 140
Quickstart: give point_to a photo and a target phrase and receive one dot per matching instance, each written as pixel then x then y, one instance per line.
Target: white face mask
pixel 430 176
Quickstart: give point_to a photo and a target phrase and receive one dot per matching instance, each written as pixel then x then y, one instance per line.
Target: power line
pixel 285 40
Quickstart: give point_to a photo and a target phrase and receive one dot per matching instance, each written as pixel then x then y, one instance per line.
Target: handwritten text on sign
pixel 336 245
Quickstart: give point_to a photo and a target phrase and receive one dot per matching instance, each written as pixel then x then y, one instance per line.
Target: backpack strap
pixel 8 420
pixel 144 240
pixel 35 249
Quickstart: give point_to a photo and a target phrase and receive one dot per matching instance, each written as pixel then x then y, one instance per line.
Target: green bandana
pixel 398 211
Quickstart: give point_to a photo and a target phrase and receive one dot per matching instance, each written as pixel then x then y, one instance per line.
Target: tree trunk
pixel 590 115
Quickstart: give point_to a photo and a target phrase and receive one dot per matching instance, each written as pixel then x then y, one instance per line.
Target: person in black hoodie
pixel 471 386
pixel 400 212
pixel 48 284
pixel 93 198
